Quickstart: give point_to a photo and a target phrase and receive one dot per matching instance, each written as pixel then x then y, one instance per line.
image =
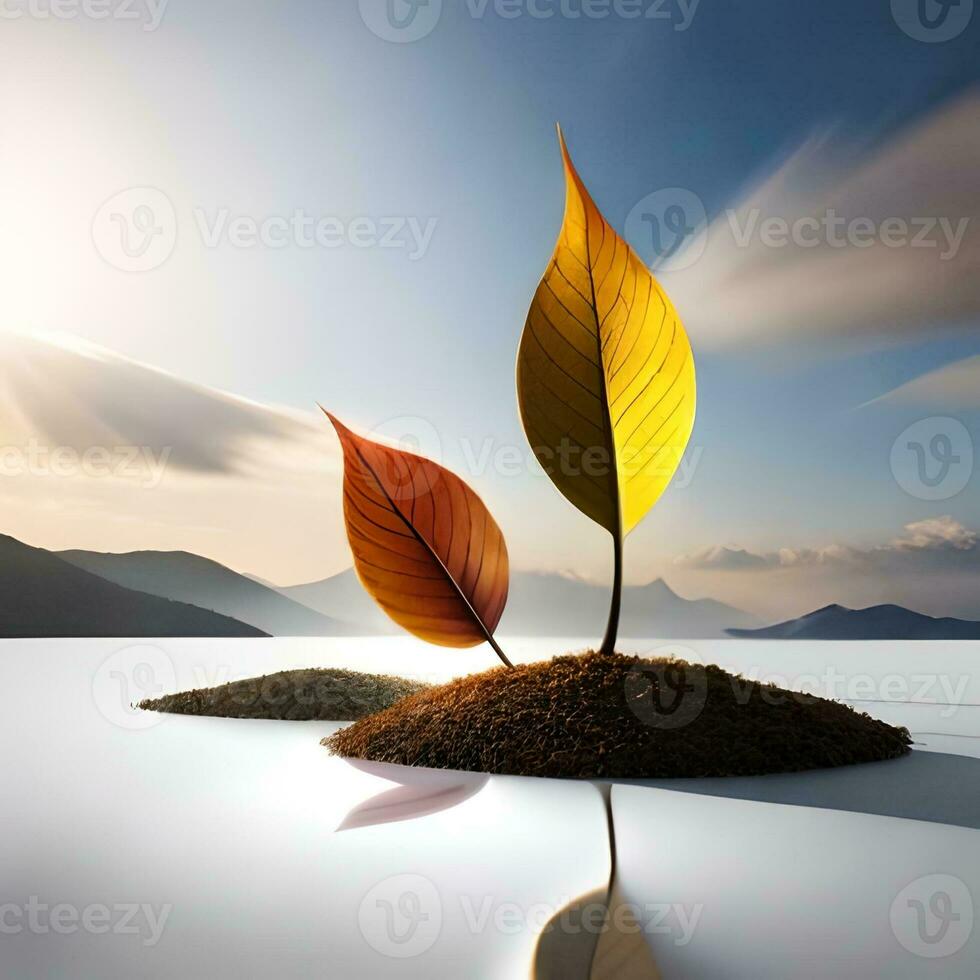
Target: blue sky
pixel 263 109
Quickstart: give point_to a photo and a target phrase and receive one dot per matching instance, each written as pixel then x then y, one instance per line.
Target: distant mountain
pixel 542 604
pixel 874 623
pixel 42 595
pixel 189 578
pixel 343 594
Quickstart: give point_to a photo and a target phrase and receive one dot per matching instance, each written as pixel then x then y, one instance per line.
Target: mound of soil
pixel 313 694
pixel 597 716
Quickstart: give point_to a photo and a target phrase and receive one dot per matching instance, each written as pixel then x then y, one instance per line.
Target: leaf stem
pixel 612 627
pixel 500 653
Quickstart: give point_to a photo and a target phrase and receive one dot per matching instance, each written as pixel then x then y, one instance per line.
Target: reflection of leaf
pixel 605 375
pixel 424 544
pixel 568 941
pixel 421 792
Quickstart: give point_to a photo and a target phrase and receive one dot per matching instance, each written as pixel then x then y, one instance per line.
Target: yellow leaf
pixel 605 374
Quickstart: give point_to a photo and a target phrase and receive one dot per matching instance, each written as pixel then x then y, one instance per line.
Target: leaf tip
pixel 562 145
pixel 337 424
pixel 571 174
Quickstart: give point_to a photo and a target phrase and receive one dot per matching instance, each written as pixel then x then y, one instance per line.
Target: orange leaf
pixel 425 546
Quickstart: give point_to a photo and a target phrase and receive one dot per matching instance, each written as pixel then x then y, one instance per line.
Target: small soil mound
pixel 313 694
pixel 617 717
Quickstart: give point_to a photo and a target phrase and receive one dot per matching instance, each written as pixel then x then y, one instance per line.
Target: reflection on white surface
pixel 226 831
pixel 229 828
pixel 798 892
pixel 418 793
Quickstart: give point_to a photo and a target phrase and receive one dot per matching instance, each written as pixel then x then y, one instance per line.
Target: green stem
pixel 612 627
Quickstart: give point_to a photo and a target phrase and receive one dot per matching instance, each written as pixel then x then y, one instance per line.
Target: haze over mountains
pixel 540 604
pixel 189 578
pixel 885 622
pixel 158 593
pixel 42 595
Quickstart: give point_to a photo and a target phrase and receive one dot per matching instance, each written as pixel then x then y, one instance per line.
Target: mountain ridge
pixel 183 576
pixel 45 596
pixel 887 621
pixel 549 604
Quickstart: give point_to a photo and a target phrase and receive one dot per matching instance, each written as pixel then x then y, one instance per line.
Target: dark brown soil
pixel 312 694
pixel 595 716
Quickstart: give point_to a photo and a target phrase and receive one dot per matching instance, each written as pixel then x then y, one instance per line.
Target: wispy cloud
pixel 102 452
pixel 867 279
pixel 948 388
pixel 70 393
pixel 923 541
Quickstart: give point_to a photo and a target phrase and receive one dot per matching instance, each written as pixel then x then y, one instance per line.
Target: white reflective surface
pixel 218 840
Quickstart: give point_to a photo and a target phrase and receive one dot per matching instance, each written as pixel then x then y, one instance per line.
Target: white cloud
pixel 926 539
pixel 745 289
pixel 722 557
pixel 936 534
pixel 64 392
pixel 252 485
pixel 952 386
